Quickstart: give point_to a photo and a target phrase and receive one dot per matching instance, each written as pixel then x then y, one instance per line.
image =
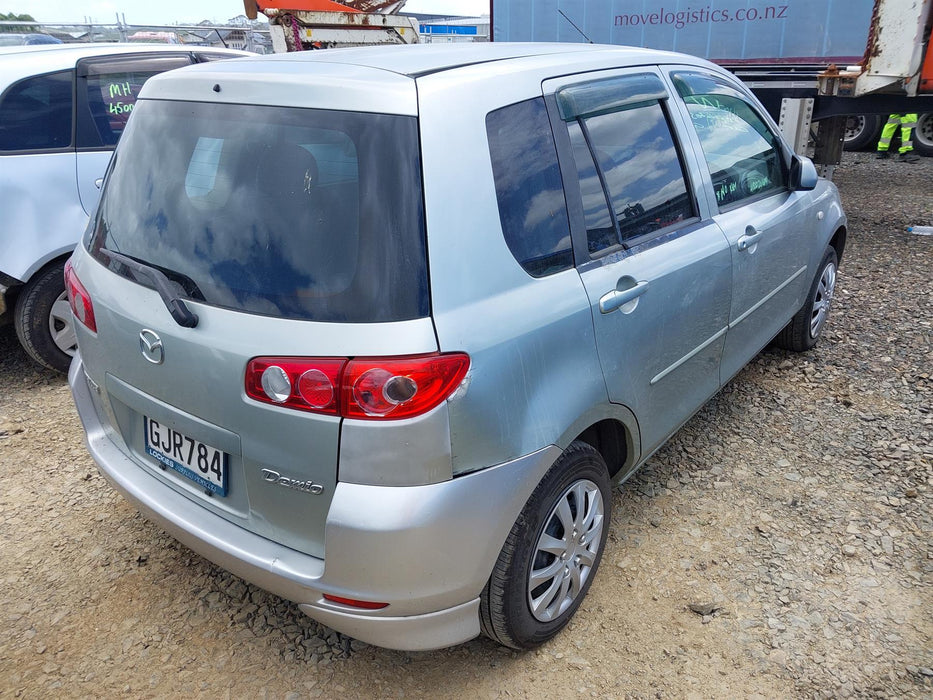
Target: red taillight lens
pixel 304 384
pixel 363 604
pixel 378 388
pixel 402 387
pixel 79 299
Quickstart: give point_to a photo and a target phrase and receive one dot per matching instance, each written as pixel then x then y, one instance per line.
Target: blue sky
pixel 187 11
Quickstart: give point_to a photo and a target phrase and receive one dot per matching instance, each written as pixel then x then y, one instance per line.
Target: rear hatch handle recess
pixel 176 306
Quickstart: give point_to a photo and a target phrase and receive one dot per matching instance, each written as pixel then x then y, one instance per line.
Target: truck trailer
pixel 845 64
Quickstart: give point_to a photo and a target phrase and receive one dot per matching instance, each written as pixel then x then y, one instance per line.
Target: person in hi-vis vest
pixel 907 122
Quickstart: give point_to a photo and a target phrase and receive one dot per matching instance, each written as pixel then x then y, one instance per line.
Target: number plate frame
pixel 185 456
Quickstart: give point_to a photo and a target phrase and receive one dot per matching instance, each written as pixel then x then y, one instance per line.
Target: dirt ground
pixel 795 506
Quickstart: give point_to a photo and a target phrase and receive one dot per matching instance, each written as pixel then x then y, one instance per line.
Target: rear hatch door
pixel 289 233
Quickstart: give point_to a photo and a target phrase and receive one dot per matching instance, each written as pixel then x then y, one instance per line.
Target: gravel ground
pixel 793 510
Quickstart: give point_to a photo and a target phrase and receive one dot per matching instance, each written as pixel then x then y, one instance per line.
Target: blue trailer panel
pixel 734 31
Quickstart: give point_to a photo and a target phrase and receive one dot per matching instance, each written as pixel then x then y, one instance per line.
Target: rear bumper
pixel 426 550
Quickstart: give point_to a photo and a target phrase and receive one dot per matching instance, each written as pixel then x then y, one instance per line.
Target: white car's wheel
pixel 43 319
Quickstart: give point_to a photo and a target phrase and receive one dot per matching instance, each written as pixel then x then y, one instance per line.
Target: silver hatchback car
pixel 378 329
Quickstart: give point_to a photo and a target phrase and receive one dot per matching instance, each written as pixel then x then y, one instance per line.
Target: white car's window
pixel 743 156
pixel 110 88
pixel 36 113
pixel 111 98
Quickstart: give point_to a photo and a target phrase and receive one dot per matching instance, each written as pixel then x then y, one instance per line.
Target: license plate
pixel 204 465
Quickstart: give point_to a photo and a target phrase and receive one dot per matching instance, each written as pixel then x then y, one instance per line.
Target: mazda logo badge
pixel 150 345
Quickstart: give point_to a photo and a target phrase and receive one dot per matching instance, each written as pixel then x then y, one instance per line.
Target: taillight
pixel 79 299
pixel 400 387
pixel 305 384
pixel 376 388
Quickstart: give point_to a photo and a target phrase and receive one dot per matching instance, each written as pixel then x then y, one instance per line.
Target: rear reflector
pixel 363 604
pixel 374 388
pixel 79 299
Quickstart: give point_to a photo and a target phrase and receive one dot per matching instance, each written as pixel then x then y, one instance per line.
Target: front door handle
pixel 749 239
pixel 611 301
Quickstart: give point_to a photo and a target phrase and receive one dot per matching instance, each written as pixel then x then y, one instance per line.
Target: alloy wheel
pixel 566 550
pixel 822 300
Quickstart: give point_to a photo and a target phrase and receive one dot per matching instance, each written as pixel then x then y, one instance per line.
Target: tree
pixel 12 17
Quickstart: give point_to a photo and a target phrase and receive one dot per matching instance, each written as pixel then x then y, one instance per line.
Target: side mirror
pixel 803 175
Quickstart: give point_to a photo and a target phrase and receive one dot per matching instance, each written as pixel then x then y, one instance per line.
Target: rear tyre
pixel 805 328
pixel 551 554
pixel 923 135
pixel 862 131
pixel 43 319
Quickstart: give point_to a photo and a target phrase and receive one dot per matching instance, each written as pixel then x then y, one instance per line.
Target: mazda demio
pixel 379 329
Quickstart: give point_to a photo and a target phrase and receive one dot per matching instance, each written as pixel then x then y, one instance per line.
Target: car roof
pixel 17 62
pixel 416 60
pixel 383 78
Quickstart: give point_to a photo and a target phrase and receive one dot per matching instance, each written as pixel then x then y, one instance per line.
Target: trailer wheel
pixel 862 131
pixel 923 135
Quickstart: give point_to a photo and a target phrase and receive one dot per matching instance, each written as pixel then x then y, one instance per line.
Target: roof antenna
pixel 575 26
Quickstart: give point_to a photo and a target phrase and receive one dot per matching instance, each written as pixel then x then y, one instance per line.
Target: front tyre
pixel 43 319
pixel 551 554
pixel 805 328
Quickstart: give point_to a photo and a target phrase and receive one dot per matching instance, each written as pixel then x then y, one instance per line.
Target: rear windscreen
pixel 294 213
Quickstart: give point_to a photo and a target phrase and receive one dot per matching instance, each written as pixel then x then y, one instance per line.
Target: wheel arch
pixel 838 242
pixel 612 431
pixel 57 257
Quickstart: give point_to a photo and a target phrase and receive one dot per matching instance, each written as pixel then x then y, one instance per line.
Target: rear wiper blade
pixel 176 306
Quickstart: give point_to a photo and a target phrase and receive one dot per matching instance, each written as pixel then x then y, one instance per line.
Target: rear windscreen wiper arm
pixel 176 306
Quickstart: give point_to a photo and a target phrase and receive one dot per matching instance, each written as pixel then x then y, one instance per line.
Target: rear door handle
pixel 749 239
pixel 611 301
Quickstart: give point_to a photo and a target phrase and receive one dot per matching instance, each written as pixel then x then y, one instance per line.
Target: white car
pixel 62 110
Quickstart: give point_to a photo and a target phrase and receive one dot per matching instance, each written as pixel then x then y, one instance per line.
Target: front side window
pixel 36 113
pixel 629 159
pixel 532 208
pixel 743 155
pixel 292 213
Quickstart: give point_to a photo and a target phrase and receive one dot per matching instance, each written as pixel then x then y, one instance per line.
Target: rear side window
pixel 294 213
pixel 111 99
pixel 743 156
pixel 110 88
pixel 36 113
pixel 529 188
pixel 629 158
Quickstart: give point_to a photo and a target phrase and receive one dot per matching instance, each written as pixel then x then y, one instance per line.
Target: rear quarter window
pixel 529 189
pixel 36 113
